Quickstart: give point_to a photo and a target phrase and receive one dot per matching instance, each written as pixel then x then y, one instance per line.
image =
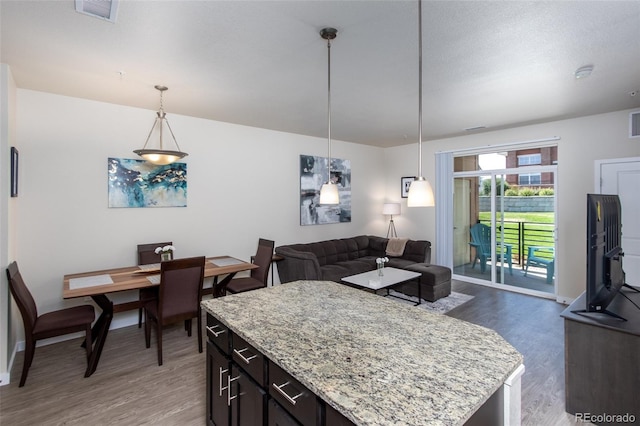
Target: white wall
pixel 8 311
pixel 583 140
pixel 243 184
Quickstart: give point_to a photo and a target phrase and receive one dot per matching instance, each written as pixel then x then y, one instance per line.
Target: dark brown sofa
pixel 332 260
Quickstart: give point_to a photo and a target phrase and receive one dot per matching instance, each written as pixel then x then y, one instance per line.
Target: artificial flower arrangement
pixel 381 261
pixel 166 252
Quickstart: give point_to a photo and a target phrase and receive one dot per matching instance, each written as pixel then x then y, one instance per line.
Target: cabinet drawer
pixel 279 417
pixel 249 359
pixel 334 418
pixel 293 397
pixel 218 333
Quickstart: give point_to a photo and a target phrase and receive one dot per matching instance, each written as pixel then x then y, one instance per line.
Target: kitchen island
pixel 373 360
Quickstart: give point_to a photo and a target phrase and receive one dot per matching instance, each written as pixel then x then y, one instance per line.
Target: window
pixel 529 159
pixel 529 179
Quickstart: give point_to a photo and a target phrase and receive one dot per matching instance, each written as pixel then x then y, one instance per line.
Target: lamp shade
pixel 160 157
pixel 420 194
pixel 391 208
pixel 329 194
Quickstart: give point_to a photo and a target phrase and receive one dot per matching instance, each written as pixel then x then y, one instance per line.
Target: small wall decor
pixel 405 183
pixel 313 173
pixel 138 183
pixel 14 172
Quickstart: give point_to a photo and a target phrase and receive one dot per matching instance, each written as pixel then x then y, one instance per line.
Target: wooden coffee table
pixel 390 277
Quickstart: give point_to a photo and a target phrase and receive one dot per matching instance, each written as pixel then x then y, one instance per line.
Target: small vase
pixel 380 270
pixel 165 256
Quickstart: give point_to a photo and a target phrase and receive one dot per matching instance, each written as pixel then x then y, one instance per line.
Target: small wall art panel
pixel 138 183
pixel 313 173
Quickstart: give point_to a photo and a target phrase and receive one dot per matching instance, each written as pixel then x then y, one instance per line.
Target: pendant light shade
pixel 329 191
pixel 420 191
pixel 160 156
pixel 329 194
pixel 420 194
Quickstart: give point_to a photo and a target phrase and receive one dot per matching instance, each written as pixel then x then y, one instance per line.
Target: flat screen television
pixel 605 275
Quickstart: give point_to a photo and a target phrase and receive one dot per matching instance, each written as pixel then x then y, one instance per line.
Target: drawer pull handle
pixel 229 397
pixel 220 380
pixel 215 334
pixel 291 399
pixel 242 357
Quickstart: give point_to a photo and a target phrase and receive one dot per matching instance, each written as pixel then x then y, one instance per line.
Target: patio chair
pixel 481 241
pixel 543 257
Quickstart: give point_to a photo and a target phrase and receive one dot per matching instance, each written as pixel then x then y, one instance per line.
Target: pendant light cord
pixel 420 88
pixel 329 104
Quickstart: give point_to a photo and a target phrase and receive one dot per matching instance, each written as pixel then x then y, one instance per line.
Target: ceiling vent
pixel 103 9
pixel 634 124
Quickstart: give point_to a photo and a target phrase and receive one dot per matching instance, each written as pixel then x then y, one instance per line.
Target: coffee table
pixel 390 277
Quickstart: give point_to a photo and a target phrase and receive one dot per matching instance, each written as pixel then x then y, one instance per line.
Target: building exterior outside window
pixel 529 159
pixel 529 179
pixel 532 157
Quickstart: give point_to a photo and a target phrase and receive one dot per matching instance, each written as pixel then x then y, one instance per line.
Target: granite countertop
pixel 375 360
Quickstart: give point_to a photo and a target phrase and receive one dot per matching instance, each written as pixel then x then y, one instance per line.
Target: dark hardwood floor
pixel 129 388
pixel 534 327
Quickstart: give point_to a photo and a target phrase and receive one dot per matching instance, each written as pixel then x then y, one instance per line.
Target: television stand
pixel 606 311
pixel 594 313
pixel 602 372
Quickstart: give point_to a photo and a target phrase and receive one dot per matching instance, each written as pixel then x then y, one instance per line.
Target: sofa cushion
pixel 399 262
pixel 340 270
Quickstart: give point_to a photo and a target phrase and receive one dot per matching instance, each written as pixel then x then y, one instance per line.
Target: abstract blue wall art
pixel 313 173
pixel 138 183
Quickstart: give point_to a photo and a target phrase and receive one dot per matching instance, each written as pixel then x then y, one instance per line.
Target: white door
pixel 622 177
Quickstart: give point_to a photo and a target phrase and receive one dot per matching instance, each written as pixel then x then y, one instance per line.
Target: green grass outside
pixel 538 217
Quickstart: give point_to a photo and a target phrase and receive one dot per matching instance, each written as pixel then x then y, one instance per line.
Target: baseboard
pixel 564 300
pixel 5 378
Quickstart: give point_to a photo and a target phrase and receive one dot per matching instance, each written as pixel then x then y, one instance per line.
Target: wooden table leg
pixel 220 288
pixel 99 331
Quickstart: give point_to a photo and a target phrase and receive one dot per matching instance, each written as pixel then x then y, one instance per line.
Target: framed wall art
pixel 405 183
pixel 313 173
pixel 14 172
pixel 138 183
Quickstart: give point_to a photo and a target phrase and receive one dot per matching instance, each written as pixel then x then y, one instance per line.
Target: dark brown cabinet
pixel 218 364
pixel 244 388
pixel 248 400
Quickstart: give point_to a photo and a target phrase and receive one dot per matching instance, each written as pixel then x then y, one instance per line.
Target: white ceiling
pixel 498 64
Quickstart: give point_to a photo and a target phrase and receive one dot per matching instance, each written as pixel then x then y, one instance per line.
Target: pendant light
pixel 420 191
pixel 329 191
pixel 161 156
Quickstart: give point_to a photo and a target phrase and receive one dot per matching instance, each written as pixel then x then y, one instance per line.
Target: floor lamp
pixel 391 209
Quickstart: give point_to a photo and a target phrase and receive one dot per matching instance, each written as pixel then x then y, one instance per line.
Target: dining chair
pixel 258 278
pixel 50 324
pixel 147 255
pixel 178 299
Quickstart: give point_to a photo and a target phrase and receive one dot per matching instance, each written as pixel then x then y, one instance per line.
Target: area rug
pixel 440 306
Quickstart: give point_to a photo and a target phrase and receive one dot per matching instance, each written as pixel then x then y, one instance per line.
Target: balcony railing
pixel 522 235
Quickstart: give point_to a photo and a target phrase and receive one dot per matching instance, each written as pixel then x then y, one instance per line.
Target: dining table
pixel 98 284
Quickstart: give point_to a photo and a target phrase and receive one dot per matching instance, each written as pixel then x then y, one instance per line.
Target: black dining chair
pixel 258 278
pixel 178 299
pixel 50 324
pixel 146 256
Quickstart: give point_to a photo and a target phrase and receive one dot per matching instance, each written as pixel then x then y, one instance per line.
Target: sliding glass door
pixel 504 221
